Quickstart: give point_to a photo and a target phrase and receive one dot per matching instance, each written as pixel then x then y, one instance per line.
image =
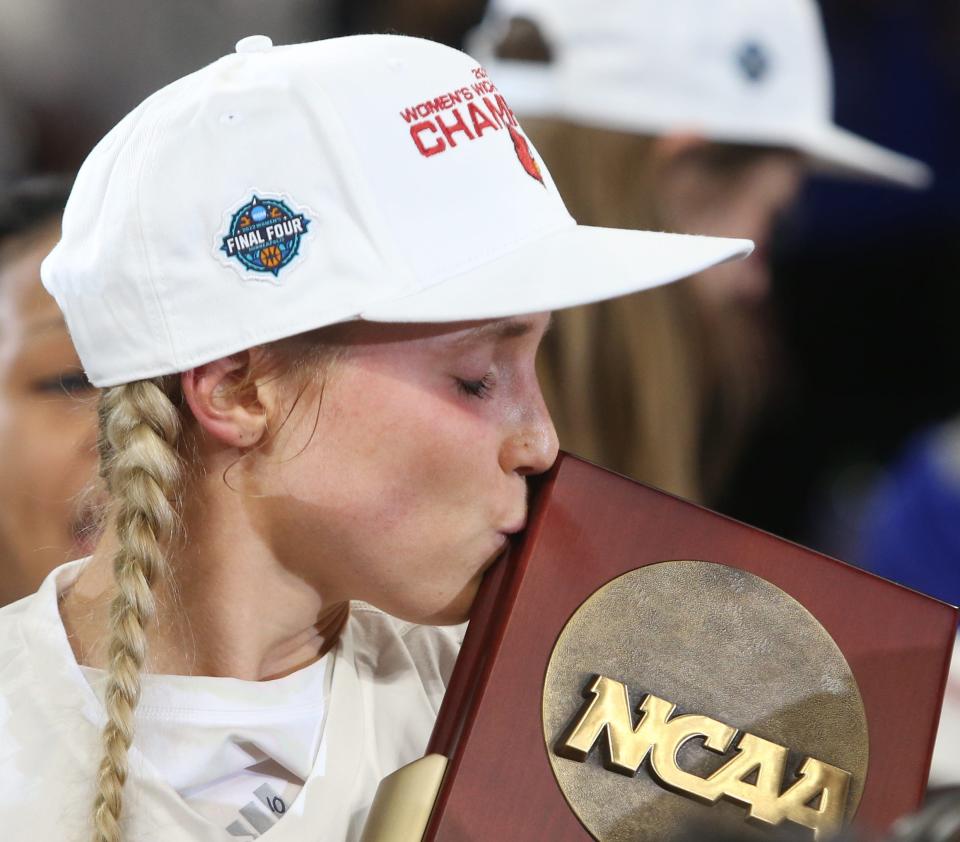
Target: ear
pixel 226 400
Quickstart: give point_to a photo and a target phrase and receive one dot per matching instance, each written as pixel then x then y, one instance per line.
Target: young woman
pixel 694 115
pixel 47 406
pixel 311 281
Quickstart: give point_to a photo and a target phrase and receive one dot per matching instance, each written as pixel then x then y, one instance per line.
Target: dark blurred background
pixel 69 70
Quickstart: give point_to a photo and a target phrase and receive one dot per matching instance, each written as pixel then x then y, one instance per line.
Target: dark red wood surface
pixel 589 526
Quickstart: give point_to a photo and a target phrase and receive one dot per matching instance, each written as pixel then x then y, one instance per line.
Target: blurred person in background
pixel 47 428
pixel 694 116
pixel 862 451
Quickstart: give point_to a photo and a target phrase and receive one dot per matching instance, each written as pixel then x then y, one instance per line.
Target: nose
pixel 533 446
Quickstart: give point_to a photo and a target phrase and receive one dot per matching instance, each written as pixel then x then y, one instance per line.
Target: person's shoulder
pixel 12 612
pixel 13 648
pixel 387 645
pixel 17 692
pixel 31 640
pixel 48 741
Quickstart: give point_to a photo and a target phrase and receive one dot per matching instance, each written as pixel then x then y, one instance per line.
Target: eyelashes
pixel 476 388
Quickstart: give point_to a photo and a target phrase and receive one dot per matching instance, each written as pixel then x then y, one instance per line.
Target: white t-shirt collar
pixel 198 729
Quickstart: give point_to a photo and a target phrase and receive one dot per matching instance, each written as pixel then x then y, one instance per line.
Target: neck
pixel 229 607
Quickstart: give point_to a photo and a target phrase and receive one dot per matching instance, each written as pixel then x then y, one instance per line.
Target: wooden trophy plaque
pixel 638 664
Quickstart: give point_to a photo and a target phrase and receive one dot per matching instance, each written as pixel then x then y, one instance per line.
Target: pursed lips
pixel 518 526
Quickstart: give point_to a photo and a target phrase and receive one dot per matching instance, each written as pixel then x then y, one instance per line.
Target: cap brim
pixel 839 151
pixel 577 265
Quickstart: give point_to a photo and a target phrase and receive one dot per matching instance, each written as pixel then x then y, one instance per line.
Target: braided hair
pixel 139 426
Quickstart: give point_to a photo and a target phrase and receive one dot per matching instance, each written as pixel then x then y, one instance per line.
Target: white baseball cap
pixel 741 71
pixel 282 189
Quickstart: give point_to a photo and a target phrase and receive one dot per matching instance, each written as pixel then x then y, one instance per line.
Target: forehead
pixel 511 328
pixel 370 333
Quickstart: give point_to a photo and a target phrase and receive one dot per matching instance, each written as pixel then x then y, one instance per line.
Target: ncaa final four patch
pixel 264 235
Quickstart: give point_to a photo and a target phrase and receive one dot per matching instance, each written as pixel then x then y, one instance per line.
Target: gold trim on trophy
pixel 404 801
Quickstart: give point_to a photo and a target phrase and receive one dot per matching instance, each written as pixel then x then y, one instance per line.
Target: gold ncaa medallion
pixel 688 691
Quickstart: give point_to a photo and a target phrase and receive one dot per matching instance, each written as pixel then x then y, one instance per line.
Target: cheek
pixel 47 462
pixel 415 450
pixel 47 448
pixel 406 473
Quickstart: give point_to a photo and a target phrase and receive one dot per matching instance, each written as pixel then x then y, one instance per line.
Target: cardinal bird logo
pixel 522 148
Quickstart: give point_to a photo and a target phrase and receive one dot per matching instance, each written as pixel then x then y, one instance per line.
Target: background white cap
pixel 743 71
pixel 282 189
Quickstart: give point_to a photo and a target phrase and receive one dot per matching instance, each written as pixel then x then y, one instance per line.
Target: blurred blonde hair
pixel 623 378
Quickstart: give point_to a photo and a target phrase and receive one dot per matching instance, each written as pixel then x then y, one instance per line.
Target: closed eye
pixel 476 388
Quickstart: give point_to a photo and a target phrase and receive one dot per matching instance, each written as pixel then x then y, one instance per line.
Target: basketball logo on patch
pixel 264 235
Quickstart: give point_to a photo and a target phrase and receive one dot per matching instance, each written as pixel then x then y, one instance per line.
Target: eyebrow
pixel 511 328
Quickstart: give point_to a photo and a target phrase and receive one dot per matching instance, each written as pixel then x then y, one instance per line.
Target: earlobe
pixel 225 402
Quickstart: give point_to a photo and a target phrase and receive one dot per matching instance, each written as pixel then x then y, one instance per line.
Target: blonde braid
pixel 139 433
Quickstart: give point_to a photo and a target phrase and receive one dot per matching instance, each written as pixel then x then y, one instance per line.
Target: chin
pixel 458 609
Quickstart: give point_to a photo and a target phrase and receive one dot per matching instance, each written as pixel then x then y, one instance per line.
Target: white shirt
pixel 386 683
pixel 238 752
